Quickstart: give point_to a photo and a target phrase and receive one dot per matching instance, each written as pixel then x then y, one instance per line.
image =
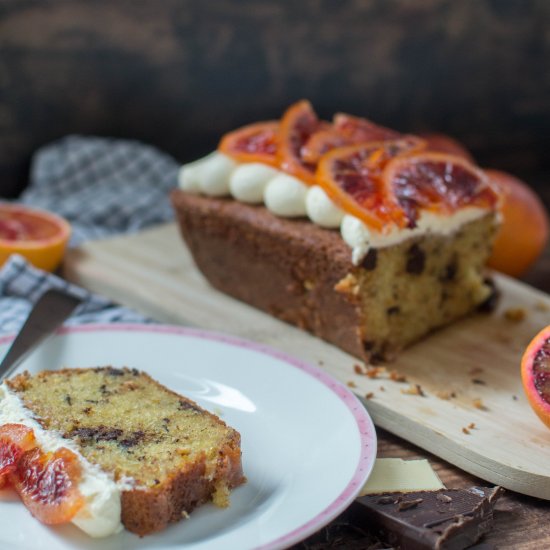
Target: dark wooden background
pixel 178 73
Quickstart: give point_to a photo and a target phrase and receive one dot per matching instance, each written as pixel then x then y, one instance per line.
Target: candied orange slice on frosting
pixel 15 440
pixel 437 182
pixel 345 130
pixel 359 130
pixel 47 484
pixel 352 178
pixel 253 143
pixel 298 124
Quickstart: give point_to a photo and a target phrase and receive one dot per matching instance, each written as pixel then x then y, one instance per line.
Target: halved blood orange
pixel 535 374
pixel 48 484
pixel 525 226
pixel 299 122
pixel 351 177
pixel 39 236
pixel 253 143
pixel 437 182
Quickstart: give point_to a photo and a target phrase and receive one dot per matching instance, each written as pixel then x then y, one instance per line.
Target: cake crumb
pixel 369 395
pixel 472 426
pixel 466 431
pixel 515 397
pixel 414 389
pixel 478 404
pixel 542 306
pixel 446 395
pixel 515 314
pixel 358 369
pixel 382 388
pixel 396 377
pixel 351 384
pixel 374 372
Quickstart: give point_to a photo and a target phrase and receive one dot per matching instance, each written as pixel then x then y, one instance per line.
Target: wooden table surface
pixel 520 522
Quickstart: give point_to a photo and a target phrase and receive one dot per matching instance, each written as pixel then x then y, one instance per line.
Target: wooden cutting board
pixel 472 411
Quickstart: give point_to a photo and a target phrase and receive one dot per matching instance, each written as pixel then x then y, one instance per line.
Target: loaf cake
pixel 351 231
pixel 108 447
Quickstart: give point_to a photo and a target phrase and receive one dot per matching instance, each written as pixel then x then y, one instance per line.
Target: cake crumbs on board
pixel 478 404
pixel 515 314
pixel 414 389
pixel 446 395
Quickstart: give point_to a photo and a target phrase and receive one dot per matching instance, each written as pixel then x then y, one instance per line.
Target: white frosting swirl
pixel 248 181
pixel 321 210
pixel 287 196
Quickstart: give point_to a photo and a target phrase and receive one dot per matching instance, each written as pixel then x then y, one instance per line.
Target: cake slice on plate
pixel 106 447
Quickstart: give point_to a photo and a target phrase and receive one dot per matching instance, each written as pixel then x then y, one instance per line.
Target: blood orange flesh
pixel 38 235
pixel 438 182
pixel 46 482
pixel 47 485
pixel 298 124
pixel 351 176
pixel 535 374
pixel 253 143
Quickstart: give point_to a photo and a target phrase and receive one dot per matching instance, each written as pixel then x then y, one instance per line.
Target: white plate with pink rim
pixel 308 445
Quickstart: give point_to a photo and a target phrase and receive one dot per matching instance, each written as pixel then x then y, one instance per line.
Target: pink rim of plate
pixel 360 414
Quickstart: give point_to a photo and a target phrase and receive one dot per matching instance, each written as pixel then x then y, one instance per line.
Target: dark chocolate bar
pixel 443 520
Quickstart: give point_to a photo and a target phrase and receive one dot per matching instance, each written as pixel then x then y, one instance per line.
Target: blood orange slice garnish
pixel 351 177
pixel 48 484
pixel 253 143
pixel 297 125
pixel 15 440
pixel 535 374
pixel 37 235
pixel 345 130
pixel 437 182
pixel 442 143
pixel 359 130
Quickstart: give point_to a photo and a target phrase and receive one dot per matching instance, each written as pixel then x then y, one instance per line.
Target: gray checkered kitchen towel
pixel 103 187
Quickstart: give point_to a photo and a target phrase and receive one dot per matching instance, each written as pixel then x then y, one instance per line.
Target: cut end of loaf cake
pixel 303 274
pixel 175 454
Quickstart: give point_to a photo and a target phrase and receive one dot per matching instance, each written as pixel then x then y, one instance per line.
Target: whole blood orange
pixel 525 226
pixel 253 143
pixel 39 236
pixel 535 374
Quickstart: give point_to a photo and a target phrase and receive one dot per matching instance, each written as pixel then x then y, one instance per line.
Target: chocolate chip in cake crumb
pixel 491 302
pixel 416 260
pixel 111 371
pixel 68 400
pixel 450 271
pixel 370 260
pixel 479 382
pixel 393 310
pixel 87 410
pixel 187 406
pixel 132 440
